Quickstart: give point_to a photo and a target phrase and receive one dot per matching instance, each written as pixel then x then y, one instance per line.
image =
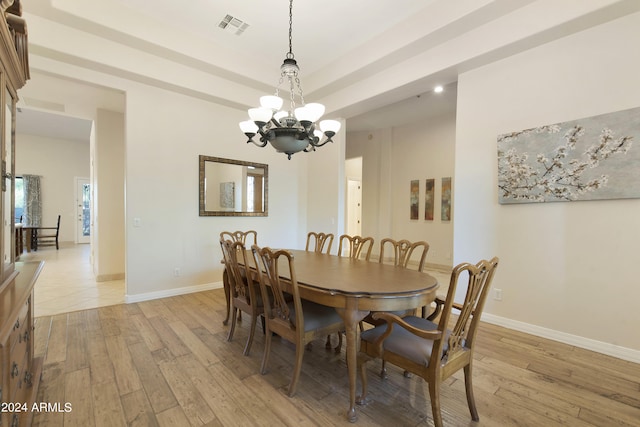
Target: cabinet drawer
pixel 17 367
pixel 19 324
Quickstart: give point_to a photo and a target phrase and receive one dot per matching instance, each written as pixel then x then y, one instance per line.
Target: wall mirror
pixel 233 187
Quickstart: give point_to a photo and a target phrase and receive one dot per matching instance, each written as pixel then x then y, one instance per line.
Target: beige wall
pixel 392 158
pixel 165 133
pixel 568 269
pixel 59 162
pixel 108 196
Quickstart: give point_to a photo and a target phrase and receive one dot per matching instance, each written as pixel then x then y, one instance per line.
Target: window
pixel 19 211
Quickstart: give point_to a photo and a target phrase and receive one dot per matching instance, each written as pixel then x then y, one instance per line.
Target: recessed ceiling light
pixel 438 89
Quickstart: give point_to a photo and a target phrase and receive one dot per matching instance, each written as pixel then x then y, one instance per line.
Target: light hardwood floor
pixel 167 363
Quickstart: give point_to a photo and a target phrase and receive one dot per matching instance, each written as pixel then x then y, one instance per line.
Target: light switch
pixel 136 222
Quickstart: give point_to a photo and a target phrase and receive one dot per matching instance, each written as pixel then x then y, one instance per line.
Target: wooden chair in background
pixel 432 350
pixel 247 238
pixel 46 236
pixel 245 292
pixel 355 246
pixel 401 255
pixel 298 321
pixel 319 242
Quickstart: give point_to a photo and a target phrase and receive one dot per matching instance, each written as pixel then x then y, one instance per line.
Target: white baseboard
pixel 586 343
pixel 171 292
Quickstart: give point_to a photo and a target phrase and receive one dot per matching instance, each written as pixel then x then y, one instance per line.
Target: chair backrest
pixel 246 237
pixel 461 337
pixel 403 251
pixel 271 270
pixel 231 251
pixel 58 226
pixel 319 240
pixel 355 246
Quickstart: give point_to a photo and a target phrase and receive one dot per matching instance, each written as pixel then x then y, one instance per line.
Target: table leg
pixel 351 317
pixel 27 239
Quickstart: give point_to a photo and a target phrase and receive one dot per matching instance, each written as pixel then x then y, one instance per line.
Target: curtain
pixel 32 201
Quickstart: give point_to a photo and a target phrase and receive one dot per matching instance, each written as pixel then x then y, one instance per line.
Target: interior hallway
pixel 67 282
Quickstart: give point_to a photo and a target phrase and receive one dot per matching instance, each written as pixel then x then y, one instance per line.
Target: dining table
pixel 354 288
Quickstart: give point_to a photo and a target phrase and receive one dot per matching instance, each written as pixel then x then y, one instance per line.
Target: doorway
pixel 83 210
pixel 354 207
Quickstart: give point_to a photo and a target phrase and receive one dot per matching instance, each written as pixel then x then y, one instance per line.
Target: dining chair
pixel 245 292
pixel 294 319
pixel 318 241
pixel 46 236
pixel 247 238
pixel 432 350
pixel 355 246
pixel 401 254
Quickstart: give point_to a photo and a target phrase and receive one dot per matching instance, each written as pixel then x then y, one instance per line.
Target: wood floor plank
pixel 158 391
pixel 138 411
pixel 194 344
pixel 171 341
pixel 42 328
pixel 107 407
pixel 126 375
pixel 191 401
pixel 227 409
pixel 57 347
pixel 78 393
pixel 52 389
pixel 149 335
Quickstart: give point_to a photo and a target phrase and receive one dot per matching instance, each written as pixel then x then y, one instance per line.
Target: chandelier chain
pixel 290 54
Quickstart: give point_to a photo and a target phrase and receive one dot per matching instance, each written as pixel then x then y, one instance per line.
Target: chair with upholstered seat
pixel 402 254
pixel 46 236
pixel 356 247
pixel 431 350
pixel 298 321
pixel 319 242
pixel 245 292
pixel 247 238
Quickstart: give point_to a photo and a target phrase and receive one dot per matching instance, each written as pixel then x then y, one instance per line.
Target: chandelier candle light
pixel 294 130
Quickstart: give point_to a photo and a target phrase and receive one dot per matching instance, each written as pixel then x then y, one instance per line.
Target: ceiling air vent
pixel 229 22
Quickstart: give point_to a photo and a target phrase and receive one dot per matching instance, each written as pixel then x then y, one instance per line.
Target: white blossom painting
pixel 586 159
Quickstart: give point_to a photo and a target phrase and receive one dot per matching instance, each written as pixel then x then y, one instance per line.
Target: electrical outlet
pixel 176 271
pixel 497 294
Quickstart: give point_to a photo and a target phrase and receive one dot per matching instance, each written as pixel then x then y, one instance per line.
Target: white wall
pixel 165 134
pixel 392 158
pixel 58 162
pixel 108 196
pixel 568 269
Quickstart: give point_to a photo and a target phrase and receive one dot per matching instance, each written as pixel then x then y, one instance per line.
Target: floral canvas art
pixel 586 159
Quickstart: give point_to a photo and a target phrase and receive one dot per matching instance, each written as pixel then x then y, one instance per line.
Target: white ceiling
pixel 372 62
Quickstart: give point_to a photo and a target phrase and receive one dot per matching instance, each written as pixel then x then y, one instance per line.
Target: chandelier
pixel 294 129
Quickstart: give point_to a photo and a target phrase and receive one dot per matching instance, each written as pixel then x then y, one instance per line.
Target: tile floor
pixel 67 282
